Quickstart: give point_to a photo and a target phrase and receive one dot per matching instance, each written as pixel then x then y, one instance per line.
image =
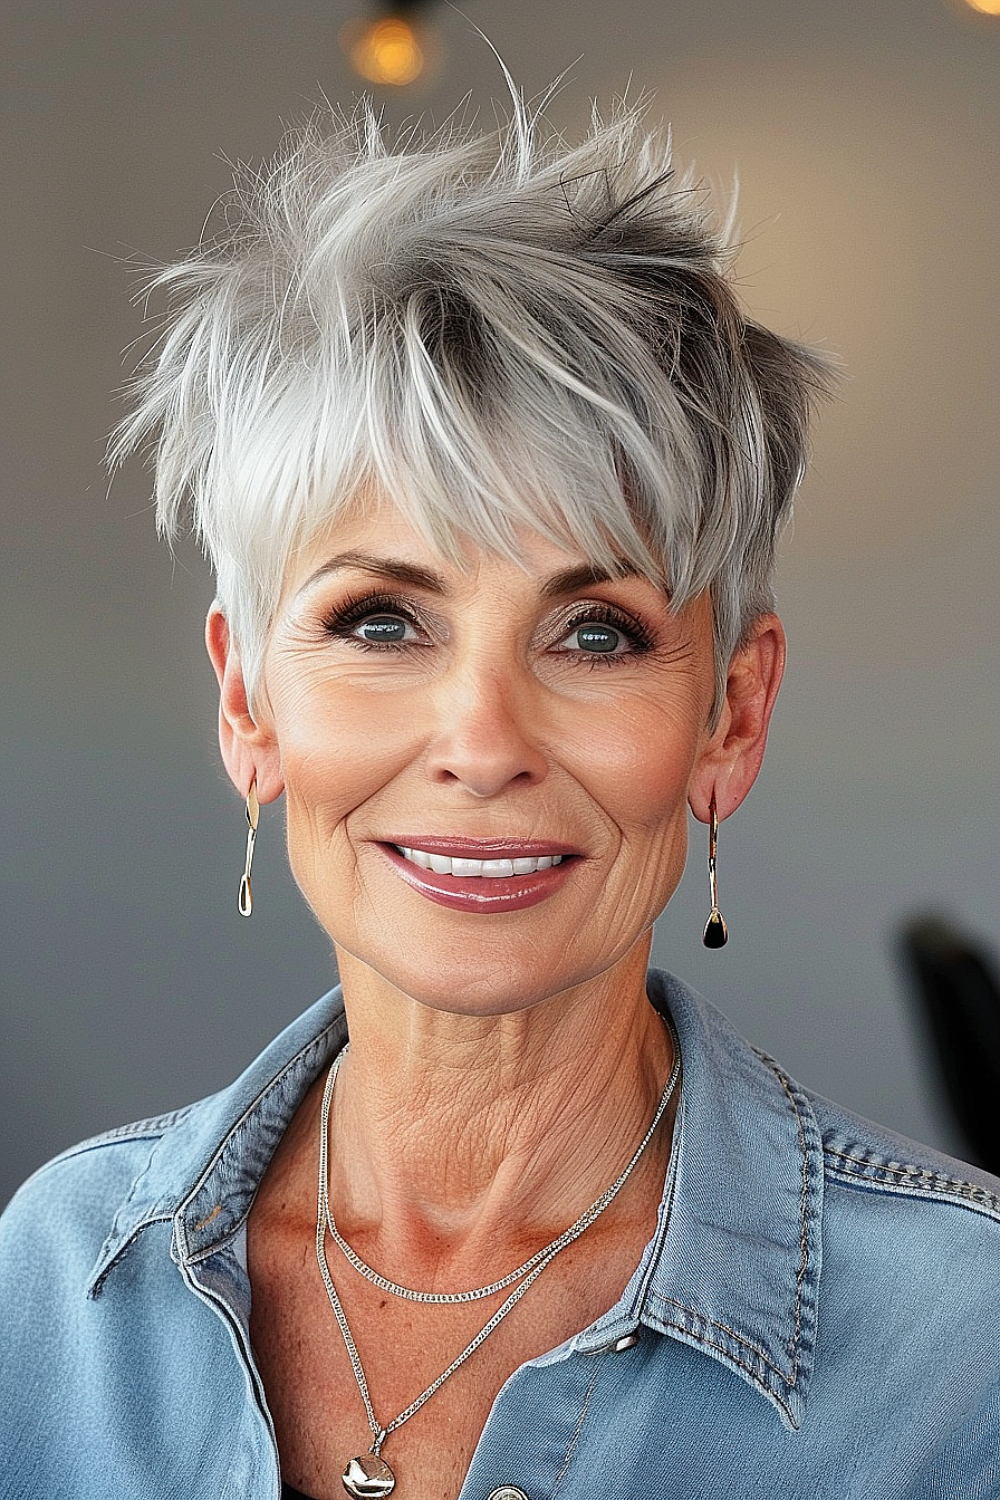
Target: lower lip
pixel 479 893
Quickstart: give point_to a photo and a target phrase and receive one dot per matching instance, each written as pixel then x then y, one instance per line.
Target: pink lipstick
pixel 484 876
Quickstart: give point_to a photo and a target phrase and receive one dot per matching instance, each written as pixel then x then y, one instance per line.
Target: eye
pixel 602 634
pixel 593 636
pixel 383 630
pixel 374 622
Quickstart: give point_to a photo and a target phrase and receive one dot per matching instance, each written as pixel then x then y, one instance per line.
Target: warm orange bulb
pixel 985 7
pixel 385 51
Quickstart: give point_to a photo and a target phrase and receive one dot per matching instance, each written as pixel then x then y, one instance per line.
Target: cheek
pixel 638 769
pixel 638 763
pixel 335 755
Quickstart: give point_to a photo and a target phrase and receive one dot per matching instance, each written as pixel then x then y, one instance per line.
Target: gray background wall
pixel 866 136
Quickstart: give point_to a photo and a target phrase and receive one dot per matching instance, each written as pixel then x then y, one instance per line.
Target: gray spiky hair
pixel 495 330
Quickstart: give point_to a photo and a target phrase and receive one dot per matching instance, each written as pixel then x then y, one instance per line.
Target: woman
pixel 491 466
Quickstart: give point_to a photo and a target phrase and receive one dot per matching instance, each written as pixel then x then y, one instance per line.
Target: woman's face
pixel 543 724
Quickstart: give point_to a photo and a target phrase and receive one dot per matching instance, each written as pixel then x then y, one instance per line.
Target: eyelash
pixel 342 620
pixel 605 614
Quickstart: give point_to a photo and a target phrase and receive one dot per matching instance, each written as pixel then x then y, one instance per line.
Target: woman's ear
pixel 728 764
pixel 249 749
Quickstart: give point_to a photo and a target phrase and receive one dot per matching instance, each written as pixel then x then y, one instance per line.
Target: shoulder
pixel 910 1259
pixel 109 1150
pixel 893 1207
pixel 94 1198
pixel 867 1160
pixel 870 1160
pixel 908 1296
pixel 98 1164
pixel 96 1172
pixel 875 1220
pixel 64 1212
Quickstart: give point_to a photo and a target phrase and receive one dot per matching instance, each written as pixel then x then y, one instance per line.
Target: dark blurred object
pixel 957 988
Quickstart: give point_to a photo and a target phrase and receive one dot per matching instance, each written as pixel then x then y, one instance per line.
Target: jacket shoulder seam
pixel 120 1135
pixel 856 1169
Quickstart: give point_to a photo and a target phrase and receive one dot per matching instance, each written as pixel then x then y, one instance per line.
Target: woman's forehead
pixel 375 534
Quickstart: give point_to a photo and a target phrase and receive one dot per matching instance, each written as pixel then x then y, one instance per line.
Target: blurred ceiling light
pixel 985 7
pixel 385 50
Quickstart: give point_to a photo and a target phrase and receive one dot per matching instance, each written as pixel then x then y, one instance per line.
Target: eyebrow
pixel 572 580
pixel 382 567
pixel 567 581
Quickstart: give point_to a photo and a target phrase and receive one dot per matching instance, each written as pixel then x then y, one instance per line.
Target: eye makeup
pixel 346 619
pixel 634 631
pixel 343 620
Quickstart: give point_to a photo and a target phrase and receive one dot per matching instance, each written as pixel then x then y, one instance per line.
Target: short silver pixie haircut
pixel 496 330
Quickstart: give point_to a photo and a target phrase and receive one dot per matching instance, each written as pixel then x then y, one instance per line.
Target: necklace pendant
pixel 368 1476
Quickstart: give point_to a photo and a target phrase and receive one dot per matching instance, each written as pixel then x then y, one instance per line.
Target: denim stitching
pixel 318 1044
pixel 800 1275
pixel 924 1179
pixel 578 1428
pixel 138 1128
pixel 98 1285
pixel 803 1198
pixel 723 1328
pixel 196 1257
pixel 301 1059
pixel 145 1128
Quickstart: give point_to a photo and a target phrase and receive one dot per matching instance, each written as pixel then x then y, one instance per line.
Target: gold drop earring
pixel 716 933
pixel 253 813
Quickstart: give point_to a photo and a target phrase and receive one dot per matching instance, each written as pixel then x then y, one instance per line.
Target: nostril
pixel 487 767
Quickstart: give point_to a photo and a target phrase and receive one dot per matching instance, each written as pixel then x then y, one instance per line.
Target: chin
pixel 482 980
pixel 473 988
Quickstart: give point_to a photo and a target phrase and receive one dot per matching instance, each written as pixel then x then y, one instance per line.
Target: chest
pixel 403 1348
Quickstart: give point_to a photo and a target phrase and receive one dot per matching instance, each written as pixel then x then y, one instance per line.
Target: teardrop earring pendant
pixel 716 934
pixel 253 813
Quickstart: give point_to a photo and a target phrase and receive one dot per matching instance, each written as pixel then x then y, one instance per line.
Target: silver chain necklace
pixel 368 1474
pixel 567 1237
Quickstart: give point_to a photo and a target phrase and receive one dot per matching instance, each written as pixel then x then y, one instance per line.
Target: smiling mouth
pixel 483 877
pixel 487 869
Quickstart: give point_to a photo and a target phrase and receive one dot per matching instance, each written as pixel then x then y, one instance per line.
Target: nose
pixel 485 732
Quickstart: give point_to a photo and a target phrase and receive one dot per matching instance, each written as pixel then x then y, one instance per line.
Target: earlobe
pixel 731 759
pixel 249 749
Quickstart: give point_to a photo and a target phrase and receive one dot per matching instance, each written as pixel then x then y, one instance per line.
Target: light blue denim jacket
pixel 818 1314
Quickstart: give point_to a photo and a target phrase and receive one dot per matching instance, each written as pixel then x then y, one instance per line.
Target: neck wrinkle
pixel 472 1141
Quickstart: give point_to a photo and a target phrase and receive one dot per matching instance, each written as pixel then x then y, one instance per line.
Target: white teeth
pixel 491 869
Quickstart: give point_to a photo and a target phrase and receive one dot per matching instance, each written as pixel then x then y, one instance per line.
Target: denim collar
pixel 206 1162
pixel 735 1265
pixel 733 1268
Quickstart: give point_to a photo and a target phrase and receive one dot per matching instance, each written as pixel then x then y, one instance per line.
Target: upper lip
pixel 465 848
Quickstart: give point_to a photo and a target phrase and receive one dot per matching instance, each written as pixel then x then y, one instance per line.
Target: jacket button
pixel 627 1341
pixel 507 1492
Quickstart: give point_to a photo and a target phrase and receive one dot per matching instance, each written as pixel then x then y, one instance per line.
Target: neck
pixel 462 1141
